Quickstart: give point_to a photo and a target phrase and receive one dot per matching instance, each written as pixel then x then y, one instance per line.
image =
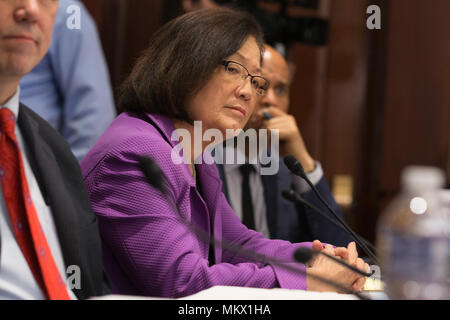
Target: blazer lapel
pixel 30 131
pixel 224 181
pixel 270 185
pixel 51 182
pixel 210 183
pixel 212 188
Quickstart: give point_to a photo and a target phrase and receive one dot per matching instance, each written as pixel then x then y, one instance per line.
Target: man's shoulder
pixel 44 141
pixel 133 131
pixel 25 110
pixel 28 117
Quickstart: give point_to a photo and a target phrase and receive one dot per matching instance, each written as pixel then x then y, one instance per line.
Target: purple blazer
pixel 146 249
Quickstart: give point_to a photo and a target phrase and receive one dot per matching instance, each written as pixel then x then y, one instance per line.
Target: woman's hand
pixel 332 271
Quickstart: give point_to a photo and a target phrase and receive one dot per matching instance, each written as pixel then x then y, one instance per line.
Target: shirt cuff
pixel 301 186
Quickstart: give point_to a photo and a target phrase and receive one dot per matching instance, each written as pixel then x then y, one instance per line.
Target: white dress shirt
pixel 16 278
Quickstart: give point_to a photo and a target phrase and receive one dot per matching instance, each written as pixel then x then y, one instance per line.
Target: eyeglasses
pixel 240 73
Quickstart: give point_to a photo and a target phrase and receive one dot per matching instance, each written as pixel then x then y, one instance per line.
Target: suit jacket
pixel 147 249
pixel 58 175
pixel 297 223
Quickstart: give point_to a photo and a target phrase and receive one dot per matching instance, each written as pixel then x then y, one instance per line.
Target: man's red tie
pixel 23 215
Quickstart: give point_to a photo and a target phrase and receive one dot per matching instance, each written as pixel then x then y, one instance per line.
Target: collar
pixel 13 103
pixel 166 128
pixel 164 124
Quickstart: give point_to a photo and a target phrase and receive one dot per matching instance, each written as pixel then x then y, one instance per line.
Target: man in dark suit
pixel 50 247
pixel 259 196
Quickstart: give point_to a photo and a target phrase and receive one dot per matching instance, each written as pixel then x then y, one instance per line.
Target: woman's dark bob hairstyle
pixel 181 58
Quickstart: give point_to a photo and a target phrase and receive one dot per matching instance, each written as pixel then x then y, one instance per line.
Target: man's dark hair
pixel 181 58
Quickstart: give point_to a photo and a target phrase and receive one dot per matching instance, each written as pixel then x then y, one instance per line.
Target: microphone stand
pixel 295 167
pixel 293 196
pixel 156 178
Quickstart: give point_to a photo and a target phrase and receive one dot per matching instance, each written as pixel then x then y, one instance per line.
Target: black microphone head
pixel 303 255
pixel 153 173
pixel 288 195
pixel 294 166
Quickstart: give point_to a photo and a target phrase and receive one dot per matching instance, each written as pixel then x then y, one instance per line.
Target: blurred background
pixel 368 102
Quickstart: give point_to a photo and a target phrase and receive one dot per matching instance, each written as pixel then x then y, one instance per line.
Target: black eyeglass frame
pixel 225 63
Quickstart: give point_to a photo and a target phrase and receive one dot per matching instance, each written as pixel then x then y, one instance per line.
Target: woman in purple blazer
pixel 202 66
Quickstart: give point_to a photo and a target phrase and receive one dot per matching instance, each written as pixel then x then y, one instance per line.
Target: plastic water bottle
pixel 413 241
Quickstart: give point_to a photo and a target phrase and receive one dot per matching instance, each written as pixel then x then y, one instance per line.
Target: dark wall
pixel 126 27
pixel 414 120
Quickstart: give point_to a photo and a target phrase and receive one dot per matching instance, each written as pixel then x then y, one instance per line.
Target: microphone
pixel 293 196
pixel 304 255
pixel 153 174
pixel 296 168
pixel 157 179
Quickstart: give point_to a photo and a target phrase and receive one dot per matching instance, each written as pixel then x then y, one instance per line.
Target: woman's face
pixel 224 102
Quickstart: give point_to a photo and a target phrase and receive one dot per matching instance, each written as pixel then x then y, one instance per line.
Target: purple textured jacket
pixel 147 250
